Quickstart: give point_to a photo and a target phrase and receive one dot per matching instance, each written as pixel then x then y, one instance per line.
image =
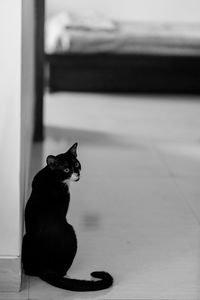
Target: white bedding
pixel 67 33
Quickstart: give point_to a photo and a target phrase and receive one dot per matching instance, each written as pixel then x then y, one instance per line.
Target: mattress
pixel 125 37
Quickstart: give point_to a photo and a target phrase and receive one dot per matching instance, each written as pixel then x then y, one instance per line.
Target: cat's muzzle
pixel 75 177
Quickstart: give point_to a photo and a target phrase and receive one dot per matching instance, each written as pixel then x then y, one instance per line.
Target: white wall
pixel 16 114
pixel 142 10
pixel 10 99
pixel 27 94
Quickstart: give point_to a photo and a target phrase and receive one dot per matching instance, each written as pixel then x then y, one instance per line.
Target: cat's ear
pixel 73 150
pixel 51 161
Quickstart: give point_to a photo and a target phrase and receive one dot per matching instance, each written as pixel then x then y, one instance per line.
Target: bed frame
pixel 127 73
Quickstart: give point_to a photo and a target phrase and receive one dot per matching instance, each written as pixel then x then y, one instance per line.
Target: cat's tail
pixel 104 282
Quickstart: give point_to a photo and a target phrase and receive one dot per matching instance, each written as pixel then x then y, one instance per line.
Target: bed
pixel 101 55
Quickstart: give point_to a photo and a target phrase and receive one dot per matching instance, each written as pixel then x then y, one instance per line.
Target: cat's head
pixel 65 166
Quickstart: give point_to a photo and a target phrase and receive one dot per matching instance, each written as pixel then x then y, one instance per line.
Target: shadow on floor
pixel 89 137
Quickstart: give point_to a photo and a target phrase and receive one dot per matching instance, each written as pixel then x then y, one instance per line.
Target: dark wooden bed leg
pixel 39 69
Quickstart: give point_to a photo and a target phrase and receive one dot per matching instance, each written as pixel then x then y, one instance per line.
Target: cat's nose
pixel 75 177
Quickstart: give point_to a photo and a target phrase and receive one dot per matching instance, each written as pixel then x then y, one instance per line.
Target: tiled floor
pixel 136 208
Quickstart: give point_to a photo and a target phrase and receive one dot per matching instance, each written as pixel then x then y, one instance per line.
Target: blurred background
pixel 121 78
pixel 153 10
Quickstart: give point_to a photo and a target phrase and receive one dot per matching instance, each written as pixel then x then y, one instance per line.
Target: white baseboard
pixel 10 273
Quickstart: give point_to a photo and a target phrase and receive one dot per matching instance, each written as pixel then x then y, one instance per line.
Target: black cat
pixel 50 244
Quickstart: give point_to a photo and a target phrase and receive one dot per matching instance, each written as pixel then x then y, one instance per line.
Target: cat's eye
pixel 76 164
pixel 66 170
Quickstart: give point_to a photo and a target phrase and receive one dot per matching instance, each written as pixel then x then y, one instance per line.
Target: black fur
pixel 50 244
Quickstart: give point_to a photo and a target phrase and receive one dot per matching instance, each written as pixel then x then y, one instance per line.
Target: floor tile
pixel 182 159
pixel 135 209
pixel 190 190
pixel 22 295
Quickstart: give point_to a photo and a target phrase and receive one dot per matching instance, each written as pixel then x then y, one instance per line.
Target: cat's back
pixel 41 193
pixel 42 179
pixel 41 201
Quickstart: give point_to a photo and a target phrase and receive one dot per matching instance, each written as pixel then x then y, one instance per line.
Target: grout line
pixel 180 192
pixel 171 174
pixel 186 201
